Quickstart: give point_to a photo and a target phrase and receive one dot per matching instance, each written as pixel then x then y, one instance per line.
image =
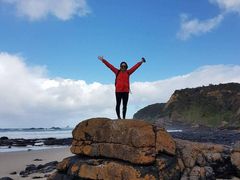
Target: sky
pixel 50 74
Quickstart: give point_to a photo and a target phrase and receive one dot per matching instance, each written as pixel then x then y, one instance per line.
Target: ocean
pixel 33 133
pixel 36 133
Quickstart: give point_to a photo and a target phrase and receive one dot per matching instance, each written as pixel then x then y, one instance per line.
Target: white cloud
pixel 30 98
pixel 39 9
pixel 190 27
pixel 228 5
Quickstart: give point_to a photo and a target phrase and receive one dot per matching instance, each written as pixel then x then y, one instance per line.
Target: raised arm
pixel 134 68
pixel 110 66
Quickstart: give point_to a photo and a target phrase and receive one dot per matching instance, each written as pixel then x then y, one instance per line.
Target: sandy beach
pixel 17 161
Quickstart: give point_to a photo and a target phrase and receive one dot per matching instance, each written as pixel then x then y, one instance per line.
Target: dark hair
pixel 123 63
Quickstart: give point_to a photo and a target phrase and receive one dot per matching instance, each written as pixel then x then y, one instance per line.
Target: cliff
pixel 136 150
pixel 151 112
pixel 212 106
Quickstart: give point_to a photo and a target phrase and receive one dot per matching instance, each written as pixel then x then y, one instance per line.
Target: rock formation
pixel 136 150
pixel 211 106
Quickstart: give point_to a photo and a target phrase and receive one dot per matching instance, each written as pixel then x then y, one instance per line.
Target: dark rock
pixel 48 167
pixel 4 141
pixel 45 168
pixel 53 163
pixel 209 173
pixel 6 178
pixel 20 143
pixel 40 166
pixel 31 167
pixel 13 173
pixel 23 174
pixel 212 135
pixel 37 177
pixel 223 168
pixel 37 160
pixel 168 167
pixel 51 141
pixel 3 138
pixel 54 141
pixel 55 128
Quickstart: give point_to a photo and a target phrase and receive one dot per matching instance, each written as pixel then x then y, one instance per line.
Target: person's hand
pixel 143 60
pixel 100 58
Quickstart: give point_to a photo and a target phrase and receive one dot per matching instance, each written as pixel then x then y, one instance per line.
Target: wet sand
pixel 17 161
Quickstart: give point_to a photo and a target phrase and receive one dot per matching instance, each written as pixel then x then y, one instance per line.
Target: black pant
pixel 121 96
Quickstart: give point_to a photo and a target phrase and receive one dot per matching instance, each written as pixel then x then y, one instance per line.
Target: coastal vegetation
pixel 211 106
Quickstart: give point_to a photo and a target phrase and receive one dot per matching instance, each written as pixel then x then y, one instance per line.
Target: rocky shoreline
pixel 216 136
pixel 106 149
pixel 20 142
pixel 35 164
pixel 42 170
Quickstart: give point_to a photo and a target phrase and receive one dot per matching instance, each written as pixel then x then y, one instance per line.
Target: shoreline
pixel 17 161
pixel 5 149
pixel 215 136
pixel 9 145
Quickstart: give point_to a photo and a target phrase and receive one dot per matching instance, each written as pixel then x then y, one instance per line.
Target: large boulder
pixel 88 168
pixel 132 141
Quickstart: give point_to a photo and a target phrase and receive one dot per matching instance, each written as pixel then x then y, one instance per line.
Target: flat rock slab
pixel 134 133
pixel 129 140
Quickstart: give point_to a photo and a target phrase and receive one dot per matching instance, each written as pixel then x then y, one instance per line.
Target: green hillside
pixel 213 106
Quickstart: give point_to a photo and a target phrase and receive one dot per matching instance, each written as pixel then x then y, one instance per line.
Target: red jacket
pixel 122 81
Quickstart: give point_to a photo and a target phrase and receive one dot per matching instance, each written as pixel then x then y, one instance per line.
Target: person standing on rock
pixel 122 86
